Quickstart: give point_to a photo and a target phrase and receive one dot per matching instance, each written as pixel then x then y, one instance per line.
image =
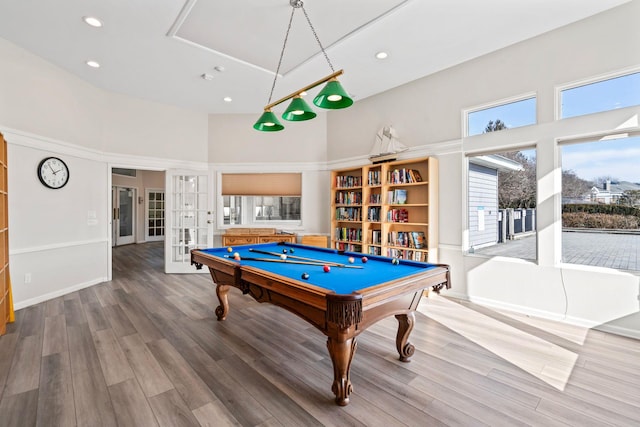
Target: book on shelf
pixel 400 197
pixel 418 239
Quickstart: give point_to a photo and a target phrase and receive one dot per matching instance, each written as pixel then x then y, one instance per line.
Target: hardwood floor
pixel 145 350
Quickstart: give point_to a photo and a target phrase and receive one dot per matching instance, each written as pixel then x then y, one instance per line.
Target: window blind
pixel 261 184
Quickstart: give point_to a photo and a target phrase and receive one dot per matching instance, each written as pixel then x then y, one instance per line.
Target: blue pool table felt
pixel 375 271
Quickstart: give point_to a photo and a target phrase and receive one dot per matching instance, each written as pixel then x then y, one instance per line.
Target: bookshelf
pixel 5 283
pixel 387 209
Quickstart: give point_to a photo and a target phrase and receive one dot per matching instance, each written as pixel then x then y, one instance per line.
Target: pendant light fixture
pixel 332 96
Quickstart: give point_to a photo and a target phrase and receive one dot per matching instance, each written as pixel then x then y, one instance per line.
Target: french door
pixel 188 216
pixel 124 215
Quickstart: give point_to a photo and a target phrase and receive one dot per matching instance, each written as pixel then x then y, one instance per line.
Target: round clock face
pixel 53 172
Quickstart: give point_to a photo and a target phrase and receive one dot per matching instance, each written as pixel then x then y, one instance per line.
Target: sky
pixel 618 159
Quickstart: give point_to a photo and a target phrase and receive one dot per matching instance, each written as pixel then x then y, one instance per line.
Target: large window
pixel 261 209
pixel 259 199
pixel 503 116
pixel 502 204
pixel 603 95
pixel 601 203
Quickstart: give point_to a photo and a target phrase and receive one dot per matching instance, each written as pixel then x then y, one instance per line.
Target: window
pixel 125 172
pixel 504 116
pixel 601 203
pixel 271 209
pixel 155 215
pixel 261 198
pixel 604 95
pixel 502 192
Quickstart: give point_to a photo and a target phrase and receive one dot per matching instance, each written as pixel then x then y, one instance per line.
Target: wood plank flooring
pixel 145 350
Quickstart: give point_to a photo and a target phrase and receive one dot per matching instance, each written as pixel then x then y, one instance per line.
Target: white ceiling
pixel 158 49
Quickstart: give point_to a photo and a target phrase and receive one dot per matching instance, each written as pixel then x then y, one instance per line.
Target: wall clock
pixel 53 173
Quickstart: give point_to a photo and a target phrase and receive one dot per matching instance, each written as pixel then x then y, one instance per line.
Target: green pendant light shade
pixel 333 96
pixel 268 122
pixel 298 111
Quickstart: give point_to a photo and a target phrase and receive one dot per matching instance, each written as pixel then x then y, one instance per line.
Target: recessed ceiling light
pixel 227 99
pixel 93 21
pixel 93 64
pixel 219 68
pixel 382 55
pixel 206 76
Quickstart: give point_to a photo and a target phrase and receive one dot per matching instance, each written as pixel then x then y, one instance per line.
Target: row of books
pixel 397 197
pixel 375 237
pixel 407 254
pixel 349 197
pixel 403 176
pixel 374 250
pixel 407 239
pixel 348 181
pixel 398 215
pixel 349 234
pixel 351 247
pixel 373 214
pixel 349 214
pixel 375 199
pixel 374 177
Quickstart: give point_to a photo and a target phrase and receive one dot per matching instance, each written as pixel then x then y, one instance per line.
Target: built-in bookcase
pixel 387 209
pixel 4 239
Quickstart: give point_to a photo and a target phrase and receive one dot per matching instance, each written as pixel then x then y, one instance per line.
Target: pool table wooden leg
pixel 223 309
pixel 341 352
pixel 405 326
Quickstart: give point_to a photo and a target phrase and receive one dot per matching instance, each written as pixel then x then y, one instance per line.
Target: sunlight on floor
pixel 542 359
pixel 572 333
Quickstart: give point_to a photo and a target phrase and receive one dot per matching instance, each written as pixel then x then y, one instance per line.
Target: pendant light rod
pixel 304 89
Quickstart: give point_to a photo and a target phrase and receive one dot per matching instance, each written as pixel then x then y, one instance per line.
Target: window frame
pixel 558 89
pixel 497 103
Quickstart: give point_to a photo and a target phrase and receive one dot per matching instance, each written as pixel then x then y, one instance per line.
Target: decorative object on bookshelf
pixel 386 145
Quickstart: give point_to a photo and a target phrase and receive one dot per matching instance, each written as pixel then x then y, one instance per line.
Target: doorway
pixel 123 215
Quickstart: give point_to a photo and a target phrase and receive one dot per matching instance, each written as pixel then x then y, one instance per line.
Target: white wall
pixel 234 146
pixel 47 111
pixel 428 116
pixel 58 237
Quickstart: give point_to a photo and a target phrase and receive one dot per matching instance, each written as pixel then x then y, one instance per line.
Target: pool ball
pixel 284 251
pixel 305 276
pixel 326 268
pixel 364 259
pixel 229 249
pixel 283 257
pixel 236 256
pixel 291 251
pixel 395 261
pixel 351 260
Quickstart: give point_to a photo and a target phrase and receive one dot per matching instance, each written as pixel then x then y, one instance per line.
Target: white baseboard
pixel 58 293
pixel 543 314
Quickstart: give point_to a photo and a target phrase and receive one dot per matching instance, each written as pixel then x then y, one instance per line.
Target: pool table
pixel 357 291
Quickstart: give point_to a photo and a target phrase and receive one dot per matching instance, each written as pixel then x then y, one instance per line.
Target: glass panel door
pixel 188 219
pixel 154 229
pixel 123 215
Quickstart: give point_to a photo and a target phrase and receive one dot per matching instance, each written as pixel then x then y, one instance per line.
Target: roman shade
pixel 261 184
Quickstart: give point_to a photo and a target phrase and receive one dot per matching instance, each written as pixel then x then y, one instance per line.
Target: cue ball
pixel 283 257
pixel 229 249
pixel 305 276
pixel 395 261
pixel 236 256
pixel 351 260
pixel 365 259
pixel 284 251
pixel 326 268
